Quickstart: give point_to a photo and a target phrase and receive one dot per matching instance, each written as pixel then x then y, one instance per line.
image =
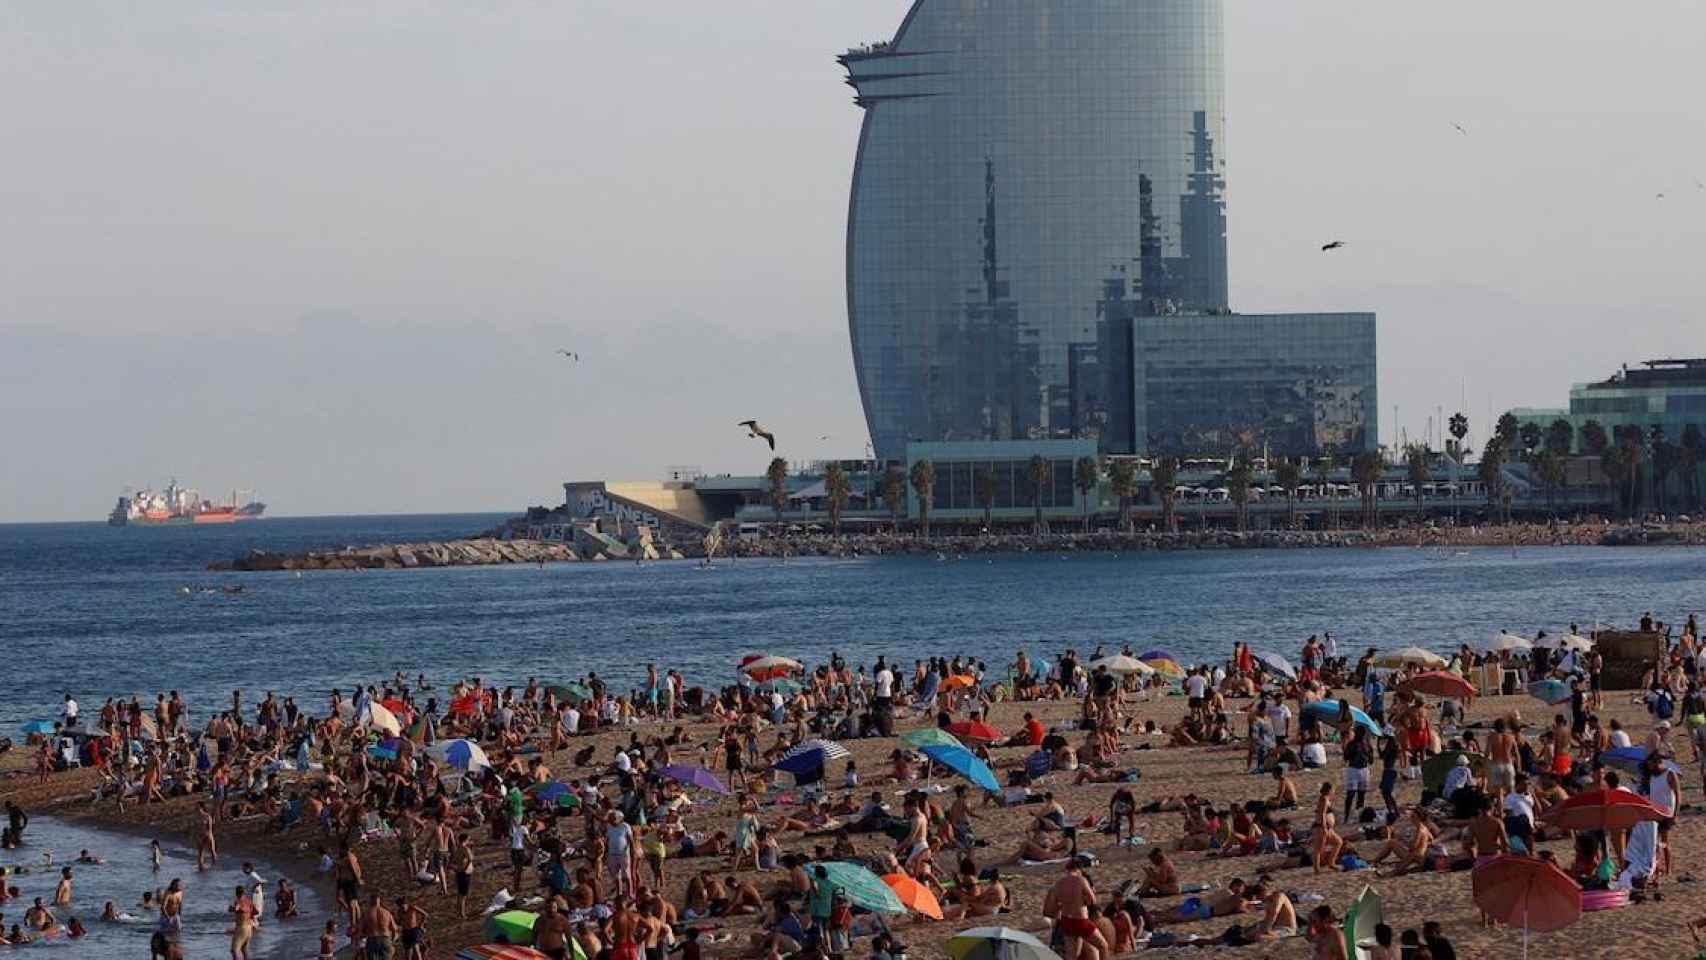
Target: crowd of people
pixel 457 790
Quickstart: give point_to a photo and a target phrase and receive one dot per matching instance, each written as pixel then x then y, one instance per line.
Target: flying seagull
pixel 1659 197
pixel 1336 244
pixel 1459 128
pixel 571 355
pixel 754 430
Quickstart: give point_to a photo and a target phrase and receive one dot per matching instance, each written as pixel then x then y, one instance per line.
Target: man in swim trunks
pixel 413 920
pixel 379 928
pixel 624 930
pixel 551 935
pixel 1501 759
pixel 1068 904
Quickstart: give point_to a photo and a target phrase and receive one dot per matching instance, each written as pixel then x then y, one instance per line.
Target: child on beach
pixel 329 940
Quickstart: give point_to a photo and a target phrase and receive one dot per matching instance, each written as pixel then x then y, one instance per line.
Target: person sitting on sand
pixel 978 898
pixel 1220 903
pixel 1285 789
pixel 1410 851
pixel 1040 846
pixel 1279 914
pixel 1160 876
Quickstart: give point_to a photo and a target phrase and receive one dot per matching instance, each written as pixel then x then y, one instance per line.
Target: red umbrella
pixel 1606 810
pixel 1438 683
pixel 465 705
pixel 974 730
pixel 1528 891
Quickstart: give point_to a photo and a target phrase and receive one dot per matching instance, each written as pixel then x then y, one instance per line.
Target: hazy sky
pixel 329 255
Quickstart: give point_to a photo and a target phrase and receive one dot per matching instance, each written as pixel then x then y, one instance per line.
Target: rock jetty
pixel 480 552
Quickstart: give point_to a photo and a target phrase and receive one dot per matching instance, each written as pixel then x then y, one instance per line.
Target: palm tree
pixel 1530 436
pixel 1324 475
pixel 894 494
pixel 1366 468
pixel 1614 464
pixel 1289 475
pixel 1459 426
pixel 1039 474
pixel 924 484
pixel 1086 473
pixel 836 490
pixel 1594 440
pixel 1493 472
pixel 1506 431
pixel 1419 474
pixel 1549 467
pixel 1122 480
pixel 1164 480
pixel 1238 486
pixel 984 483
pixel 777 474
pixel 1560 437
pixel 1633 445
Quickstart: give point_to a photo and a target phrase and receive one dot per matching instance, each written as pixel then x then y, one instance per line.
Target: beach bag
pixel 1663 706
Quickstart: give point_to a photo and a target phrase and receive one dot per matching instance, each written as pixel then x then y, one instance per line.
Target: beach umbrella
pixel 810 755
pixel 1157 653
pixel 1327 711
pixel 1166 667
pixel 1606 810
pixel 914 895
pixel 998 943
pixel 1276 663
pixel 512 926
pixel 461 754
pixel 509 951
pixel 1630 759
pixel 861 887
pixel 930 737
pixel 1364 914
pixel 958 681
pixel 1438 683
pixel 466 705
pixel 1508 641
pixel 694 777
pixel 1121 664
pixel 376 716
pixel 396 706
pixel 767 663
pixel 551 792
pixel 1576 642
pixel 1528 891
pixel 570 692
pixel 34 728
pixel 974 730
pixel 781 685
pixel 966 764
pixel 382 752
pixel 1550 691
pixel 1398 658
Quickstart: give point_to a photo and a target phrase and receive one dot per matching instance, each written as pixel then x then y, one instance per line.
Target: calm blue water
pixel 98 610
pixel 128 872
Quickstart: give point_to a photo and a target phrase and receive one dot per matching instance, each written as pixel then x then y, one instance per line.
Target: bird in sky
pixel 571 355
pixel 1334 245
pixel 1699 186
pixel 1459 128
pixel 754 430
pixel 1659 196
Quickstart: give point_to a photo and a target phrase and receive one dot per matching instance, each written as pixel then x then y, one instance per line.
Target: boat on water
pixel 174 505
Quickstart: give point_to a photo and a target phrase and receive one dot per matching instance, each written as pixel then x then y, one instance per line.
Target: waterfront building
pixel 1667 394
pixel 954 496
pixel 1036 181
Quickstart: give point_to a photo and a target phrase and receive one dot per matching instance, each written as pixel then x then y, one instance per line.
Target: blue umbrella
pixel 1276 663
pixel 966 764
pixel 42 727
pixel 1550 691
pixel 1158 653
pixel 1327 711
pixel 1629 759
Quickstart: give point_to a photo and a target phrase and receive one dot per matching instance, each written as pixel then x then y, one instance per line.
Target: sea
pixel 99 611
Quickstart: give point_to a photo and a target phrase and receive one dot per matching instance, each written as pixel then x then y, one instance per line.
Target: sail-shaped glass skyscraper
pixel 1034 178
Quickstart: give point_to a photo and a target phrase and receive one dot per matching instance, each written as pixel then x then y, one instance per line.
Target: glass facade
pixel 957 465
pixel 1033 178
pixel 1289 384
pixel 1669 395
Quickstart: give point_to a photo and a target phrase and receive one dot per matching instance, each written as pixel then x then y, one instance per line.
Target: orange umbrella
pixel 916 896
pixel 465 705
pixel 1528 891
pixel 974 730
pixel 959 680
pixel 1438 683
pixel 1606 810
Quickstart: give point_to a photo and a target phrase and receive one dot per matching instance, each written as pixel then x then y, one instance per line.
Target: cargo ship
pixel 178 505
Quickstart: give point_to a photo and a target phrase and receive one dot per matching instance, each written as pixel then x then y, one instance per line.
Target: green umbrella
pixel 781 685
pixel 512 926
pixel 572 692
pixel 1363 915
pixel 930 737
pixel 862 887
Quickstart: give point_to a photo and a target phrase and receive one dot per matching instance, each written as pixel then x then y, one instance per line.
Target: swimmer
pixel 87 857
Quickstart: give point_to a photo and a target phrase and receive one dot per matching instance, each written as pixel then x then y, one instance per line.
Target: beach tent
pixel 512 926
pixel 1361 917
pixel 998 943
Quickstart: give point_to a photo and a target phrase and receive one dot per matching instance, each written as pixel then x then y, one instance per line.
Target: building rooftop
pixel 1660 373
